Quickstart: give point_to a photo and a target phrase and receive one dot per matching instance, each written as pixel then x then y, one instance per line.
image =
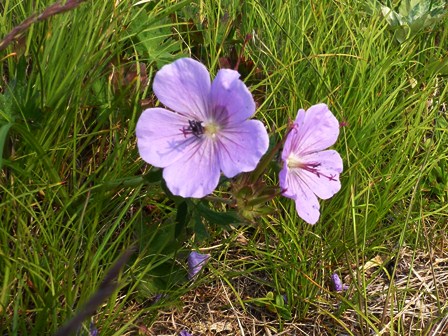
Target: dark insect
pixel 195 128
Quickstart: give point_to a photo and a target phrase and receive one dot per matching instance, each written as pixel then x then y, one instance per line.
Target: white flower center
pixel 293 161
pixel 211 129
pixel 315 168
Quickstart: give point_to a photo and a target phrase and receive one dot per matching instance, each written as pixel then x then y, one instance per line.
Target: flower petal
pixel 327 183
pixel 241 147
pixel 230 94
pixel 197 173
pixel 160 139
pixel 307 204
pixel 317 129
pixel 184 87
pixel 196 261
pixel 184 333
pixel 337 284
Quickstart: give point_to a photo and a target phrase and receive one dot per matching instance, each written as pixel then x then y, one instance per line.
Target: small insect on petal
pixel 204 130
pixel 195 127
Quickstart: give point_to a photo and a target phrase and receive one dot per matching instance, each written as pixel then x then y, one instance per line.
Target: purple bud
pixel 158 297
pixel 196 261
pixel 337 284
pixel 93 331
pixel 184 333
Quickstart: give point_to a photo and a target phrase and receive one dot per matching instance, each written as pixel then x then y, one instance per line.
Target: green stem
pixel 266 160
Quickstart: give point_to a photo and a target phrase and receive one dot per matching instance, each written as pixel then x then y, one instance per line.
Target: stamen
pixel 313 168
pixel 195 127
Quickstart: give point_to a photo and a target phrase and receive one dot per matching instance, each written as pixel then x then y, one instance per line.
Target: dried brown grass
pixel 413 303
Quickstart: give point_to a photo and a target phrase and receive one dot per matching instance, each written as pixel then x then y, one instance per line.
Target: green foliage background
pixel 74 193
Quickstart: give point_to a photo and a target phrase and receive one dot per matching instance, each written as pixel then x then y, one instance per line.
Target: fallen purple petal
pixel 337 284
pixel 196 261
pixel 309 171
pixel 208 132
pixel 184 333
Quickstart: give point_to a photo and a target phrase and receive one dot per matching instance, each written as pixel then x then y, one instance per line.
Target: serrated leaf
pixel 199 228
pixel 154 176
pixel 220 218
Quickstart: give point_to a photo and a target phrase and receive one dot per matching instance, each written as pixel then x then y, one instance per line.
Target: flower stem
pixel 266 160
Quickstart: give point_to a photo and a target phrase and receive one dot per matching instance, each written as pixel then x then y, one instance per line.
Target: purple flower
pixel 184 333
pixel 158 297
pixel 196 261
pixel 309 171
pixel 93 331
pixel 337 284
pixel 208 132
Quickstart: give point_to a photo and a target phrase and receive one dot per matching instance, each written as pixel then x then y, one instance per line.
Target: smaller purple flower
pixel 205 131
pixel 309 171
pixel 93 331
pixel 158 297
pixel 337 284
pixel 196 261
pixel 184 333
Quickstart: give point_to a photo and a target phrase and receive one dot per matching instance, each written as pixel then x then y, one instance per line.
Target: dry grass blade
pixel 106 288
pixel 48 12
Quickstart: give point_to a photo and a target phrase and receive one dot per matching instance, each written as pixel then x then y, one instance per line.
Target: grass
pixel 74 193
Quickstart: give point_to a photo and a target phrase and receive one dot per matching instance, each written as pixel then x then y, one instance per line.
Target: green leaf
pixel 393 18
pixel 413 16
pixel 154 176
pixel 415 9
pixel 153 38
pixel 199 228
pixel 182 219
pixel 4 130
pixel 220 218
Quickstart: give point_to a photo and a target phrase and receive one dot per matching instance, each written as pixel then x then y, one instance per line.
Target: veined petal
pixel 197 173
pixel 283 182
pixel 230 94
pixel 317 129
pixel 160 139
pixel 184 333
pixel 184 87
pixel 291 143
pixel 241 147
pixel 308 208
pixel 307 204
pixel 326 183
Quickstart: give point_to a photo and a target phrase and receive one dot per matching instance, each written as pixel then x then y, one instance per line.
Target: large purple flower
pixel 208 132
pixel 309 171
